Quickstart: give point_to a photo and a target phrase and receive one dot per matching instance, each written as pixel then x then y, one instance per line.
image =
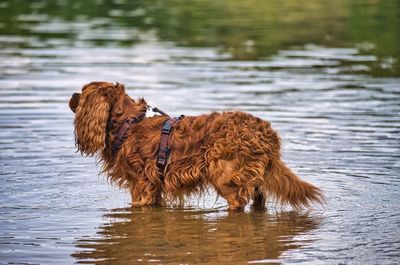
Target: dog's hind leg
pixel 236 182
pixel 231 193
pixel 232 196
pixel 145 193
pixel 259 199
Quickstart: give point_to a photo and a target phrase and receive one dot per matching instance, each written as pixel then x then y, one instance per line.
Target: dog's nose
pixel 74 101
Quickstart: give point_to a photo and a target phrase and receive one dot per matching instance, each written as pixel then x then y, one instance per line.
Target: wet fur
pixel 234 152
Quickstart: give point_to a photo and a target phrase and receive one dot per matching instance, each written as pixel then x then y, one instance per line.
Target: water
pixel 328 81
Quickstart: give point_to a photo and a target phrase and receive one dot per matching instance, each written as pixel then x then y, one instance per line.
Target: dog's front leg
pixel 145 193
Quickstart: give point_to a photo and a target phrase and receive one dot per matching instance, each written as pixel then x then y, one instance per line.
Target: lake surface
pixel 325 73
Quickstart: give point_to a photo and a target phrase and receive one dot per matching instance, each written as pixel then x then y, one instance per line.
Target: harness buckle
pixel 167 128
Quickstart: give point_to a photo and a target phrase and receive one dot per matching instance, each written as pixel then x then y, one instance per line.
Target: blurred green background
pixel 241 29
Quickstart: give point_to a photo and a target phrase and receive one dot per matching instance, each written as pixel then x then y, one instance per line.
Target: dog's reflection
pixel 171 236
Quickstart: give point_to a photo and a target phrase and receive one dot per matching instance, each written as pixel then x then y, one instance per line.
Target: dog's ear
pixel 91 118
pixel 74 102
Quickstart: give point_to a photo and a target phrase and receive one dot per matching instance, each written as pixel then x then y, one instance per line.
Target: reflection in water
pixel 196 237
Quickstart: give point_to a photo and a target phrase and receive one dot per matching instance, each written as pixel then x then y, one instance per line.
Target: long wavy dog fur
pixel 234 152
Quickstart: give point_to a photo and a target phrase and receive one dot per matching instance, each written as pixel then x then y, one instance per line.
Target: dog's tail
pixel 286 187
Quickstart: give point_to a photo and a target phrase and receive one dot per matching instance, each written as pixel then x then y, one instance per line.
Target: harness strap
pixel 121 135
pixel 164 148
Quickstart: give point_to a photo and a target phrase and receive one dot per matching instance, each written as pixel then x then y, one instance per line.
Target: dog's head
pixel 96 91
pixel 93 108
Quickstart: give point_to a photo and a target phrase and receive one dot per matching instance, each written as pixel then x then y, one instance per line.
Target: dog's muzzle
pixel 74 101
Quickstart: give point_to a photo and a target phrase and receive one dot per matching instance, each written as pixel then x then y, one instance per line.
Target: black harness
pixel 164 149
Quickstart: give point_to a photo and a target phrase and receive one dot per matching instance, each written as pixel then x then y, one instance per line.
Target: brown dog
pixel 234 152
